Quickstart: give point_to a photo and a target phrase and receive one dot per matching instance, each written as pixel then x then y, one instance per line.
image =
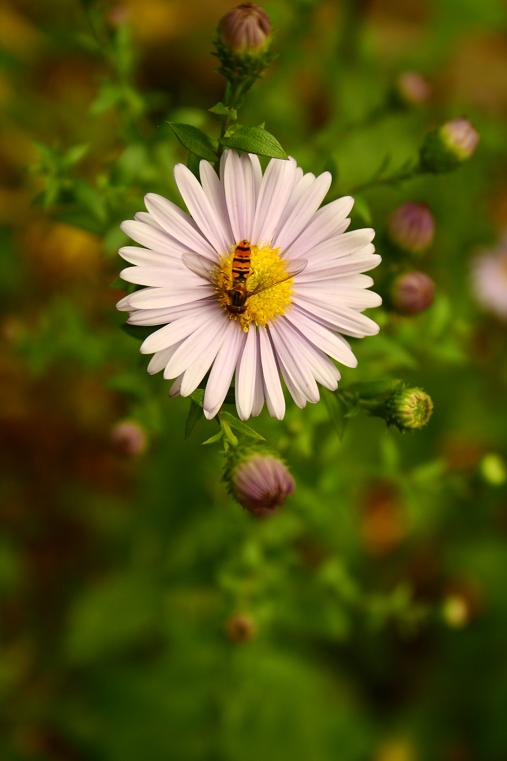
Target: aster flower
pixel 304 288
pixel 489 280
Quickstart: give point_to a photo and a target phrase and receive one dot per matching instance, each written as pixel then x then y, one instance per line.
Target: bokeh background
pixel 373 606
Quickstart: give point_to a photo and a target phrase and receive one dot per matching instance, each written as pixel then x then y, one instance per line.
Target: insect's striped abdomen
pixel 241 261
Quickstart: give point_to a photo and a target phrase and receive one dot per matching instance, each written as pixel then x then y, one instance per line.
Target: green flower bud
pixel 409 408
pixel 493 470
pixel 448 146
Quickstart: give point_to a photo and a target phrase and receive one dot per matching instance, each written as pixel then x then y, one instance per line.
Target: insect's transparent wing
pixel 293 267
pixel 199 265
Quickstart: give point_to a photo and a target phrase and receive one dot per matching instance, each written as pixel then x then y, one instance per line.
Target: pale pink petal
pixel 214 190
pixel 178 224
pixel 158 298
pixel 322 368
pixel 326 223
pixel 200 208
pixel 176 331
pixel 196 371
pixel 276 187
pixel 341 318
pixel 245 375
pixel 295 368
pixel 303 211
pixel 195 345
pixel 330 343
pixel 272 387
pixel 223 369
pixel 240 192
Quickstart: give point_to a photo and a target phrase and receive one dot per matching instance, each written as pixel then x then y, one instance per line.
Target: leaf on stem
pixel 254 140
pixel 239 426
pixel 194 140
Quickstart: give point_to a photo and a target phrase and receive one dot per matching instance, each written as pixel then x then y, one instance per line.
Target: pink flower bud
pixel 412 227
pixel 261 483
pixel 460 137
pixel 412 88
pixel 245 29
pixel 129 438
pixel 412 292
pixel 448 146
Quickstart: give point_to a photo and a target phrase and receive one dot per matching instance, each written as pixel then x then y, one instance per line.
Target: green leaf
pixel 255 140
pixel 213 439
pixel 220 109
pixel 193 417
pixel 194 140
pixel 193 162
pixel 241 427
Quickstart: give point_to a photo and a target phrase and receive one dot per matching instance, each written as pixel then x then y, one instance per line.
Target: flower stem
pixel 408 171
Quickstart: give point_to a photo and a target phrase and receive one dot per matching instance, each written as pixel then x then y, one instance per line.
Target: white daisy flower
pixel 489 279
pixel 256 284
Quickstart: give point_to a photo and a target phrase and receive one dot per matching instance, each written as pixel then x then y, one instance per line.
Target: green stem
pixel 402 175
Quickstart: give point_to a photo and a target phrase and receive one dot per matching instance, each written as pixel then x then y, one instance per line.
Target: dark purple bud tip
pixel 261 483
pixel 411 227
pixel 412 292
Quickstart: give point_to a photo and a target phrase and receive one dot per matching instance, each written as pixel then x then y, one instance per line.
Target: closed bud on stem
pixel 408 408
pixel 240 628
pixel 448 146
pixel 411 227
pixel 411 89
pixel 258 480
pixel 129 438
pixel 245 29
pixel 242 42
pixel 412 292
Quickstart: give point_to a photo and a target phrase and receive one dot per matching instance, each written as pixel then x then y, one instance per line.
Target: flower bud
pixel 129 438
pixel 240 628
pixel 245 29
pixel 493 470
pixel 259 481
pixel 448 146
pixel 412 89
pixel 411 227
pixel 455 611
pixel 412 292
pixel 409 408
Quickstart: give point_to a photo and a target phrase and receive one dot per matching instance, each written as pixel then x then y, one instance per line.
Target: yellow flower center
pixel 262 294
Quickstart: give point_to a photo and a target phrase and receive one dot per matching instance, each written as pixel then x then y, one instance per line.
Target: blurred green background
pixel 375 602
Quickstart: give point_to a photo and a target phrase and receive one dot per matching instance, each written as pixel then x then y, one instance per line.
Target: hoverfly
pixel 241 271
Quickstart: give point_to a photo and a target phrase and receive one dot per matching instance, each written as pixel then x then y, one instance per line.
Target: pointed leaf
pixel 194 140
pixel 255 140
